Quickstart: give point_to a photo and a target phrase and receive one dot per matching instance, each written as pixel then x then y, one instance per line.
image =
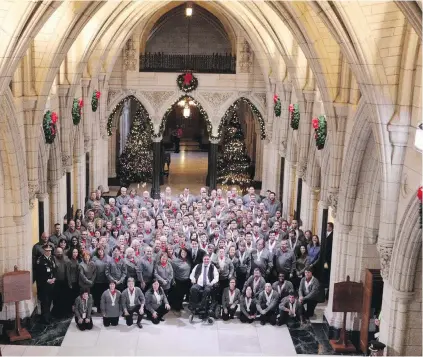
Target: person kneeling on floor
pixel 132 301
pixel 110 305
pixel 83 306
pixel 230 300
pixel 156 303
pixel 290 309
pixel 309 293
pixel 267 305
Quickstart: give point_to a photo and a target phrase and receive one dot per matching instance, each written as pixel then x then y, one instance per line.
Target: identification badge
pixel 84 315
pixel 48 270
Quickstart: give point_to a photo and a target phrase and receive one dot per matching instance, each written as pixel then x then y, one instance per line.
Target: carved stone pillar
pixel 285 102
pixel 65 118
pixel 390 196
pixel 86 112
pixel 43 213
pixel 305 127
pixel 54 198
pixel 212 174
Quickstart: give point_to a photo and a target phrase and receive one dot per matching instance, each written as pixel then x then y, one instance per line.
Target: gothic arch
pixel 407 249
pixel 163 121
pixel 254 106
pixel 117 107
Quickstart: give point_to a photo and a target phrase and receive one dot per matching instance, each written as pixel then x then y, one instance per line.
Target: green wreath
pixel 49 126
pixel 278 106
pixel 320 131
pixel 187 82
pixel 94 100
pixel 77 110
pixel 294 111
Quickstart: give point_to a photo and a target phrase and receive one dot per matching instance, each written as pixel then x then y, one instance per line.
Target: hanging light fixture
pixel 418 139
pixel 186 111
pixel 188 10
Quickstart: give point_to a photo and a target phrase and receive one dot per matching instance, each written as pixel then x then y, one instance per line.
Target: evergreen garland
pixel 49 126
pixel 294 111
pixel 187 82
pixel 77 110
pixel 278 106
pixel 233 163
pixel 135 164
pixel 94 100
pixel 320 128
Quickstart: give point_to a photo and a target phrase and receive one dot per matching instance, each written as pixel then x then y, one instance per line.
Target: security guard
pixel 45 270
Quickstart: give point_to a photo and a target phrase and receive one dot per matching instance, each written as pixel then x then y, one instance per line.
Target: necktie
pixel 194 255
pixel 205 276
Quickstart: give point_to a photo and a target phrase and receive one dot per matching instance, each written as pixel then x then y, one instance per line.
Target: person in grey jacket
pixel 156 303
pixel 262 259
pixel 225 268
pixel 87 272
pixel 132 301
pixel 243 268
pixel 248 306
pixel 132 263
pixel 83 307
pixel 282 286
pixel 256 282
pixel 111 307
pixel 182 270
pixel 267 305
pixel 101 283
pixel 230 300
pixel 290 309
pixel 308 293
pixel 163 272
pixel 284 261
pixel 116 270
pixel 146 269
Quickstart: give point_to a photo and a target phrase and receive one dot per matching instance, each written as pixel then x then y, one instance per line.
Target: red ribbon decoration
pixel 54 117
pixel 315 123
pixel 275 98
pixel 187 78
pixel 81 103
pixel 420 193
pixel 97 94
pixel 291 108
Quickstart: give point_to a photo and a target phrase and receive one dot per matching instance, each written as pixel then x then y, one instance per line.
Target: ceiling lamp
pixel 188 10
pixel 418 140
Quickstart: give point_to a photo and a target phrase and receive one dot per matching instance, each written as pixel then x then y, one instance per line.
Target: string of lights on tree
pixel 77 110
pixel 169 110
pixel 233 163
pixel 49 126
pixel 135 162
pixel 294 116
pixel 320 131
pixel 118 106
pixel 234 107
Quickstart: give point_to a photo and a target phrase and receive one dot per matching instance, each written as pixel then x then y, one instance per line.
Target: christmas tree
pixel 135 163
pixel 233 164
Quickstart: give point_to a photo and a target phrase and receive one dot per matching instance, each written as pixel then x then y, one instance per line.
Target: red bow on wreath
pixel 291 108
pixel 81 103
pixel 54 117
pixel 187 78
pixel 315 123
pixel 420 193
pixel 97 94
pixel 275 98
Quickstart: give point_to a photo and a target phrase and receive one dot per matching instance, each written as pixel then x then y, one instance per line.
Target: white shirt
pixel 221 262
pixel 248 303
pixel 131 297
pixel 307 284
pixel 268 297
pixel 158 297
pixel 200 277
pixel 231 297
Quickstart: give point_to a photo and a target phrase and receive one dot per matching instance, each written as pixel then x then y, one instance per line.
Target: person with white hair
pixel 131 262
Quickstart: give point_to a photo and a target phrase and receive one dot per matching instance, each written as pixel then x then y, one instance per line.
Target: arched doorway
pixel 189 167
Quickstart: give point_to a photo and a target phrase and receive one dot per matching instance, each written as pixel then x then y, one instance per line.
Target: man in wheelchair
pixel 204 278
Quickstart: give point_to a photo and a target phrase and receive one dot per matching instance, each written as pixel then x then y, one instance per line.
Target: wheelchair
pixel 211 311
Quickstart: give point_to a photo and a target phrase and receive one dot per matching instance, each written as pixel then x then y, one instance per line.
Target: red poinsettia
pixel 291 108
pixel 81 103
pixel 97 94
pixel 315 123
pixel 420 193
pixel 187 78
pixel 275 98
pixel 54 117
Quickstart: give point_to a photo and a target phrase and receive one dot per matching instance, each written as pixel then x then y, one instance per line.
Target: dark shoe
pixel 262 323
pixel 279 323
pixel 162 319
pixel 139 324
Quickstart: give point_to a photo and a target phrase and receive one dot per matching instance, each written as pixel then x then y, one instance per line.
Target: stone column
pixel 43 212
pixel 112 153
pixel 86 111
pixel 157 167
pixel 54 198
pixel 305 129
pixel 214 146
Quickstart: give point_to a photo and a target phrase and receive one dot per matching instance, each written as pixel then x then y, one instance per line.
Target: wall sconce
pixel 418 140
pixel 188 10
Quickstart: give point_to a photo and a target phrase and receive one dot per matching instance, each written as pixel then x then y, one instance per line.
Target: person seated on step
pixel 267 305
pixel 290 309
pixel 309 293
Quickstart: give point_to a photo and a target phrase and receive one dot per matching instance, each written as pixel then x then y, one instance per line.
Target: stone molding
pixel 215 100
pixel 156 98
pixel 246 58
pixel 332 200
pixel 129 58
pixel 385 253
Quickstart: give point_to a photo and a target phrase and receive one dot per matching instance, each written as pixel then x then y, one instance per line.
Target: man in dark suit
pixel 196 254
pixel 329 243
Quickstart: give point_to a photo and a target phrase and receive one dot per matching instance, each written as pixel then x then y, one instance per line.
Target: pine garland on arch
pixel 294 116
pixel 94 100
pixel 77 110
pixel 49 126
pixel 278 106
pixel 320 131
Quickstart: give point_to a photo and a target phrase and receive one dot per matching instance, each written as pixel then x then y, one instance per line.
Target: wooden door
pixel 365 313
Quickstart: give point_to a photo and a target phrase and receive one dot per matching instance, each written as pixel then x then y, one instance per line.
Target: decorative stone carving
pixel 157 98
pixel 216 99
pixel 385 253
pixel 246 58
pixel 113 93
pixel 244 94
pixel 262 98
pixel 33 187
pixel 332 200
pixel 302 169
pixel 129 58
pixel 87 144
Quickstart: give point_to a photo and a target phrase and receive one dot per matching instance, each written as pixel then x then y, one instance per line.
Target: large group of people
pixel 135 255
